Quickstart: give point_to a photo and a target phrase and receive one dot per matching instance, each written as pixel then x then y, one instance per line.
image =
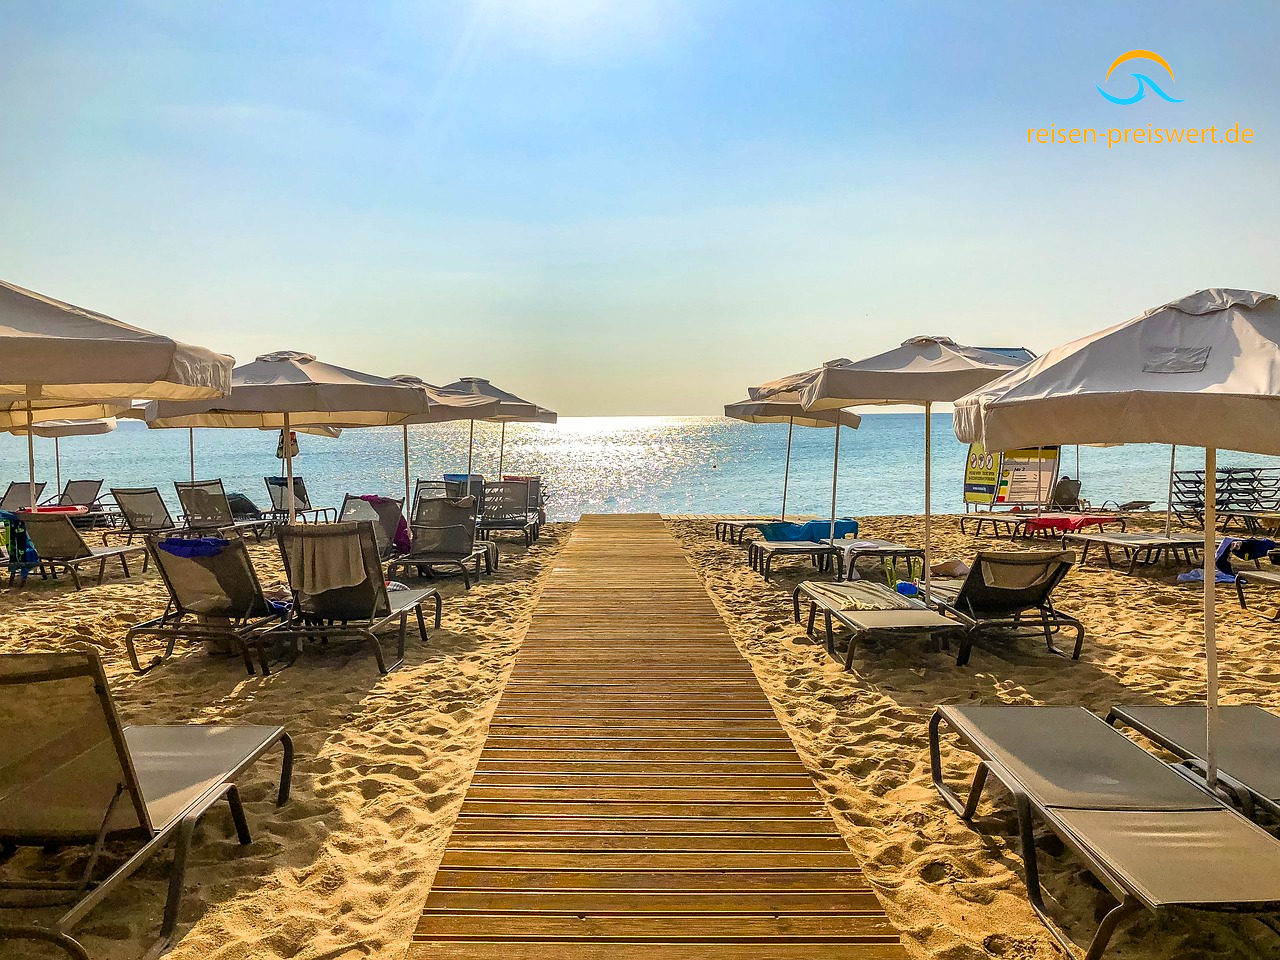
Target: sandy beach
pixel 383 763
pixel 342 870
pixel 957 892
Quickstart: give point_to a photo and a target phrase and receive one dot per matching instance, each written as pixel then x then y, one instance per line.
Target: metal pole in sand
pixel 786 473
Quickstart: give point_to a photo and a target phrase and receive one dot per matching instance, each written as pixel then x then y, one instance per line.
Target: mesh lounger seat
pixel 1262 578
pixel 505 505
pixel 761 554
pixel 87 494
pixel 18 496
pixel 853 549
pixel 435 490
pixel 206 509
pixel 1138 548
pixel 277 490
pixel 1248 750
pixel 444 535
pixel 60 545
pixel 384 514
pixel 71 775
pixel 335 574
pixel 214 598
pixel 144 511
pixel 1149 834
pixel 1011 591
pixel 867 608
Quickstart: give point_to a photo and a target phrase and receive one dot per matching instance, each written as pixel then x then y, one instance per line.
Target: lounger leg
pixel 795 604
pixel 237 816
pixel 422 624
pixel 177 877
pixel 968 807
pixel 124 565
pixel 966 647
pixel 439 609
pixel 286 770
pixel 813 615
pixel 853 643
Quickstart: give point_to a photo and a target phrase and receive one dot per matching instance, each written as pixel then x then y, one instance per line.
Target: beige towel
pixel 863 596
pixel 329 563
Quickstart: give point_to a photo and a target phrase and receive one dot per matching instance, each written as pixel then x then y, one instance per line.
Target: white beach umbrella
pixel 508 405
pixel 288 389
pixel 57 429
pixel 1200 371
pixel 923 371
pixel 59 361
pixel 793 415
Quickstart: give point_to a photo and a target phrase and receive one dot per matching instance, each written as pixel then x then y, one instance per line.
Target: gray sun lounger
pixel 339 591
pixel 18 496
pixel 71 775
pixel 444 535
pixel 1138 548
pixel 732 531
pixel 213 599
pixel 853 549
pixel 867 608
pixel 1248 746
pixel 505 506
pixel 1152 836
pixel 277 490
pixel 384 514
pixel 60 545
pixel 206 510
pixel 1265 578
pixel 761 554
pixel 144 511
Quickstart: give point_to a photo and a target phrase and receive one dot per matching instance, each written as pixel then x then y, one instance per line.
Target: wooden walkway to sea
pixel 637 797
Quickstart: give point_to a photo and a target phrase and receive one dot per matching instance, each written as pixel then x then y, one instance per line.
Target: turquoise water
pixel 603 464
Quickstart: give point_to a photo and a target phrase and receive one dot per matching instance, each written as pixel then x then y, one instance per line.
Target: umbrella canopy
pixel 1201 371
pixel 286 389
pixel 920 370
pixel 509 407
pixel 792 414
pixel 59 361
pixel 923 370
pixel 54 351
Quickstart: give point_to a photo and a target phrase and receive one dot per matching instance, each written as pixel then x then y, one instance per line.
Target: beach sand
pixel 957 892
pixel 342 870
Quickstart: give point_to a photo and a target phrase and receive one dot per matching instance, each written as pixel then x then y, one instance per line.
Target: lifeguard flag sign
pixel 293 445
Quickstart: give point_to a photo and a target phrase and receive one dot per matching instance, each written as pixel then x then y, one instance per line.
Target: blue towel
pixel 193 547
pixel 812 530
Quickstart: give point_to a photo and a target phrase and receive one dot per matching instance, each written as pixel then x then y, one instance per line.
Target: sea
pixel 673 465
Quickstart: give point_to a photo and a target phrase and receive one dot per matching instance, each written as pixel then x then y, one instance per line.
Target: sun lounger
pixel 60 545
pixel 1248 746
pixel 1266 578
pixel 70 774
pixel 206 510
pixel 1028 524
pixel 278 491
pixel 144 511
pixel 505 506
pixel 214 597
pixel 87 494
pixel 760 554
pixel 853 549
pixel 1138 548
pixel 383 512
pixel 435 490
pixel 1151 836
pixel 867 608
pixel 732 531
pixel 1012 591
pixel 444 535
pixel 18 496
pixel 335 574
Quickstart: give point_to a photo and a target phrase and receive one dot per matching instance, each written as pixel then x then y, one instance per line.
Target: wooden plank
pixel 637 797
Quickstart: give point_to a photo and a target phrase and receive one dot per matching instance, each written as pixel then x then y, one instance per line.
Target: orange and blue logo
pixel 1145 83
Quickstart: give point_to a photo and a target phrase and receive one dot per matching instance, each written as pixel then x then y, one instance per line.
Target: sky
pixel 619 207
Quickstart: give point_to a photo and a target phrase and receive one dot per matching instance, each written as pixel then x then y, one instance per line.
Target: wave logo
pixel 1145 83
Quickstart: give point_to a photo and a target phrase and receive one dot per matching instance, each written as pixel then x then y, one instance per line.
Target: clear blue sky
pixel 625 206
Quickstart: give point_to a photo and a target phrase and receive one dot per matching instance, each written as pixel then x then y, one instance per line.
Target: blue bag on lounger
pixel 193 547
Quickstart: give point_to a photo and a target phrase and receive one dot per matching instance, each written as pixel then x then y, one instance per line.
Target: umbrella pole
pixel 502 443
pixel 835 473
pixel 288 472
pixel 57 467
pixel 471 441
pixel 1210 640
pixel 786 473
pixel 1168 513
pixel 31 457
pixel 407 505
pixel 928 504
pixel 191 448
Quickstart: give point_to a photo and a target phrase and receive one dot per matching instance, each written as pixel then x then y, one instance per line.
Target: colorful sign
pixel 1027 476
pixel 981 475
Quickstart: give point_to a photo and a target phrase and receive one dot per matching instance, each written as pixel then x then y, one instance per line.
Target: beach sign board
pixel 1014 476
pixel 981 475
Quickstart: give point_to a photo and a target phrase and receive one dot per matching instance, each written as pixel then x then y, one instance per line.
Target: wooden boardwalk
pixel 636 796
